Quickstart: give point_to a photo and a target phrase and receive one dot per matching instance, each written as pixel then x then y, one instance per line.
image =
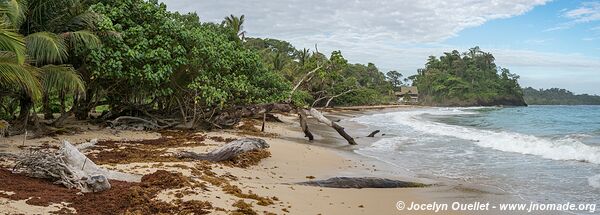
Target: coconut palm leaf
pixel 62 78
pixel 82 20
pixel 13 74
pixel 13 42
pixel 79 39
pixel 46 47
pixel 39 10
pixel 13 11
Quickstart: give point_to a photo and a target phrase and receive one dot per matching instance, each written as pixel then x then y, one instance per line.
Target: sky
pixel 549 43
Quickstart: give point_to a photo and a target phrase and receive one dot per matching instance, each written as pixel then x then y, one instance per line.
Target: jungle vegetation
pixel 467 79
pixel 65 58
pixel 556 96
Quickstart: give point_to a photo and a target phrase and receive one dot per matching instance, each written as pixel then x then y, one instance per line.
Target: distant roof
pixel 408 90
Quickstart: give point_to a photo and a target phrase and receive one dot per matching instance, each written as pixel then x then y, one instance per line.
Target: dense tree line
pixel 335 81
pixel 467 79
pixel 133 57
pixel 556 96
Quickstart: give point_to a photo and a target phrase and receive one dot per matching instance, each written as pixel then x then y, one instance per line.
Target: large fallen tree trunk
pixel 319 116
pixel 71 168
pixel 228 151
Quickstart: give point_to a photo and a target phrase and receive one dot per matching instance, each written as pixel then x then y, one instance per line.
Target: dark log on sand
pixel 319 116
pixel 365 182
pixel 228 151
pixel 374 133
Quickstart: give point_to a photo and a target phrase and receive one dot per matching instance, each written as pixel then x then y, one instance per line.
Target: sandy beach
pixel 292 159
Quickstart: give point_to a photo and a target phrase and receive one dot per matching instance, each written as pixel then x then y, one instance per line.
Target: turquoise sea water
pixel 545 154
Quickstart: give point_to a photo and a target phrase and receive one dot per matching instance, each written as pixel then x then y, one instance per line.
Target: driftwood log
pixel 228 151
pixel 319 116
pixel 69 167
pixel 364 182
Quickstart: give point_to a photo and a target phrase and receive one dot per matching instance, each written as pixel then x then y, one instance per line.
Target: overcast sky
pixel 548 43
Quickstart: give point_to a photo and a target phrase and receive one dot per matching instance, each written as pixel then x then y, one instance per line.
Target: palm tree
pixel 33 59
pixel 303 56
pixel 237 24
pixel 13 70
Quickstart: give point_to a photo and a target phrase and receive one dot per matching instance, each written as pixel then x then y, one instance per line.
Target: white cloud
pixel 588 12
pixel 393 34
pixel 378 31
pixel 585 13
pixel 403 21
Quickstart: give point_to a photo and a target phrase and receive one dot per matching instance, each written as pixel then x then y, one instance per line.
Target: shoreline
pixel 293 159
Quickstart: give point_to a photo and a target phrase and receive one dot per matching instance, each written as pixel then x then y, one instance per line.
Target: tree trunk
pixel 46 107
pixel 319 116
pixel 84 106
pixel 304 125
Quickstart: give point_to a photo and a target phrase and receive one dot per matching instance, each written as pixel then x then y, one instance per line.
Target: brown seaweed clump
pixel 243 208
pixel 151 150
pixel 248 159
pixel 122 198
pixel 165 180
pixel 203 170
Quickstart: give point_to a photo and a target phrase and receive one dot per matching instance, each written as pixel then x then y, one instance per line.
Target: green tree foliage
pixel 556 96
pixel 175 62
pixel 348 84
pixel 136 58
pixel 395 79
pixel 470 78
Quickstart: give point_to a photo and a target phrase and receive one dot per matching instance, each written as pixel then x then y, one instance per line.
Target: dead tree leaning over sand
pixel 319 116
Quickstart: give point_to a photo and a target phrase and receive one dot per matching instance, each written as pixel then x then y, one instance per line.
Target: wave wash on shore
pixel 566 148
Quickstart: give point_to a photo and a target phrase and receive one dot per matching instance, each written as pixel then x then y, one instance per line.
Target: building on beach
pixel 408 95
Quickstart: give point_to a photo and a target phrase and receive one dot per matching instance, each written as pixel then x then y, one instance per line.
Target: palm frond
pixel 84 20
pixel 62 78
pixel 39 9
pixel 13 42
pixel 81 39
pixel 20 76
pixel 14 11
pixel 46 47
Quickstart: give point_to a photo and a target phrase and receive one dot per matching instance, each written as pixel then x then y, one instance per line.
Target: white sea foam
pixel 594 181
pixel 561 149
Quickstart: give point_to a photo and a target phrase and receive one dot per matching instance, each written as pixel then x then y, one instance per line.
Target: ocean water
pixel 544 154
